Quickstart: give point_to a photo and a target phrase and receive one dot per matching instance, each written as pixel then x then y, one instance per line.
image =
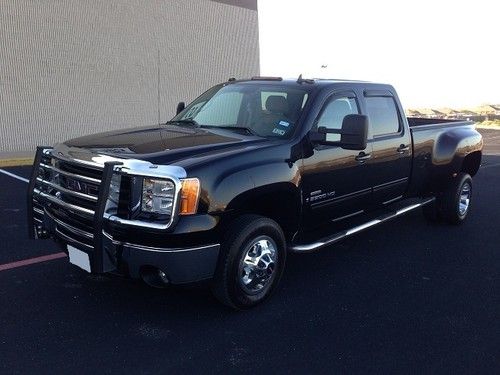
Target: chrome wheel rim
pixel 258 264
pixel 464 201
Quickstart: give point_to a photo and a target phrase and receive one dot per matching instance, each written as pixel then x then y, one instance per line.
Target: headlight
pixel 157 196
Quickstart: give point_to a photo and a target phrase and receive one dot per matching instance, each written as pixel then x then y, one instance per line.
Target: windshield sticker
pixel 278 131
pixel 284 123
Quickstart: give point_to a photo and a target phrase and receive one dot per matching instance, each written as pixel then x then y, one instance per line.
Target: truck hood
pixel 163 144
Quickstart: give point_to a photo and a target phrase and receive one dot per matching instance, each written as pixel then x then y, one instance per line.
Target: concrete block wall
pixel 70 68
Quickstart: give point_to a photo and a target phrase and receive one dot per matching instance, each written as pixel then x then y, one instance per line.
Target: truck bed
pixel 418 122
pixel 439 148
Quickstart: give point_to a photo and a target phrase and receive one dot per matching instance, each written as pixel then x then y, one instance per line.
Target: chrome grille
pixel 69 193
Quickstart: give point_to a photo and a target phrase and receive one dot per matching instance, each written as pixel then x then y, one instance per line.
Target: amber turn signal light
pixel 190 192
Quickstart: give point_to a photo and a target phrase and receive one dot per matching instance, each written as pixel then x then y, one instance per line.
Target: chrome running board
pixel 326 241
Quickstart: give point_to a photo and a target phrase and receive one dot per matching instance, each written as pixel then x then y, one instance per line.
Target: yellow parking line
pixel 16 162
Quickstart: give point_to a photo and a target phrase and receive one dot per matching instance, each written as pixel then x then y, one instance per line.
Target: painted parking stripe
pixel 27 262
pixel 14 176
pixel 490 165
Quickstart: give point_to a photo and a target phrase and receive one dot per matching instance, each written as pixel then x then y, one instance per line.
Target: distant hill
pixel 482 112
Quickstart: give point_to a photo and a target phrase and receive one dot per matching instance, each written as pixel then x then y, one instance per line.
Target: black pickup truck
pixel 250 170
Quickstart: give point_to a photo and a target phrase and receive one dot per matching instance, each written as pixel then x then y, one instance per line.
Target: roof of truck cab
pixel 317 82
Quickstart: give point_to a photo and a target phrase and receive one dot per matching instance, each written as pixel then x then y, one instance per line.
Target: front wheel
pixel 251 262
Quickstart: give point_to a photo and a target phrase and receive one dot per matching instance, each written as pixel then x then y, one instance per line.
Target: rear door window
pixel 383 115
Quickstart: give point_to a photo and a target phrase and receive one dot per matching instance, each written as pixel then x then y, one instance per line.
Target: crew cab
pixel 247 172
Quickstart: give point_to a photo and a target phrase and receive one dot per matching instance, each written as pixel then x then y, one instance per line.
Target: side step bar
pixel 326 241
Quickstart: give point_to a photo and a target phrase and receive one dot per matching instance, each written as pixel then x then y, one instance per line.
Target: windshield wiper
pixel 244 128
pixel 187 121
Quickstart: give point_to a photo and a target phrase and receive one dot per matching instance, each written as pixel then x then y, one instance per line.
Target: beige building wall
pixel 70 68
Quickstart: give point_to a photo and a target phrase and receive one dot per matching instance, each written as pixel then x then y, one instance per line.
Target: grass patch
pixel 495 122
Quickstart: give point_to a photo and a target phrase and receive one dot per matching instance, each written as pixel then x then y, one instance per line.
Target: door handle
pixel 362 157
pixel 403 148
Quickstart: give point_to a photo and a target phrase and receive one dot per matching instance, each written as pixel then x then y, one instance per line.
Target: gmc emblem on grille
pixel 80 187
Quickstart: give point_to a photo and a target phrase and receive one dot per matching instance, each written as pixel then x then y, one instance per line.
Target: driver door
pixel 335 181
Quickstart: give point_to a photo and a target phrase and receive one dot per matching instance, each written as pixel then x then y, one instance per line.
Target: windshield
pixel 266 110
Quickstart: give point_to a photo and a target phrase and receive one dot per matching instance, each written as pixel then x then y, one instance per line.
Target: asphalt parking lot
pixel 404 297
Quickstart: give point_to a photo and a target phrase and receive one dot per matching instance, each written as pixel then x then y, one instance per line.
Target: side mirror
pixel 353 135
pixel 180 108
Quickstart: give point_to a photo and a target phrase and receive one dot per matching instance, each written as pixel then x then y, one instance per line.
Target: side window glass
pixel 383 115
pixel 333 114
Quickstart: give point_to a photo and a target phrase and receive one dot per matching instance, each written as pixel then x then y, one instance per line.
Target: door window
pixel 383 115
pixel 334 112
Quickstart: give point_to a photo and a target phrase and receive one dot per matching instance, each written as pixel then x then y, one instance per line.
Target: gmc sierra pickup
pixel 250 170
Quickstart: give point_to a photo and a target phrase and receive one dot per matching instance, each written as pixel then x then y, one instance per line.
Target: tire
pixel 455 202
pixel 249 240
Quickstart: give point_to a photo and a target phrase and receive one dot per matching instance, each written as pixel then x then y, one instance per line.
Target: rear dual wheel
pixel 454 204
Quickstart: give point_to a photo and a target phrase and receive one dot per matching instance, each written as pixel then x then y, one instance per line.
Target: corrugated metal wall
pixel 69 68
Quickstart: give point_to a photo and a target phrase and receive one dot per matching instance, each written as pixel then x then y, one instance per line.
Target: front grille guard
pixel 102 256
pixel 32 232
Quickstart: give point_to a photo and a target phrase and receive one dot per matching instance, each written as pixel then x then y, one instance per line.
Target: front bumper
pixel 181 264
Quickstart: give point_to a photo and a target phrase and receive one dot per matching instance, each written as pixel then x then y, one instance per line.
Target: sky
pixel 435 53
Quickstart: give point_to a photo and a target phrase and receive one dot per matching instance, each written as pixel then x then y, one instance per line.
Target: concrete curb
pixel 16 162
pixel 492 127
